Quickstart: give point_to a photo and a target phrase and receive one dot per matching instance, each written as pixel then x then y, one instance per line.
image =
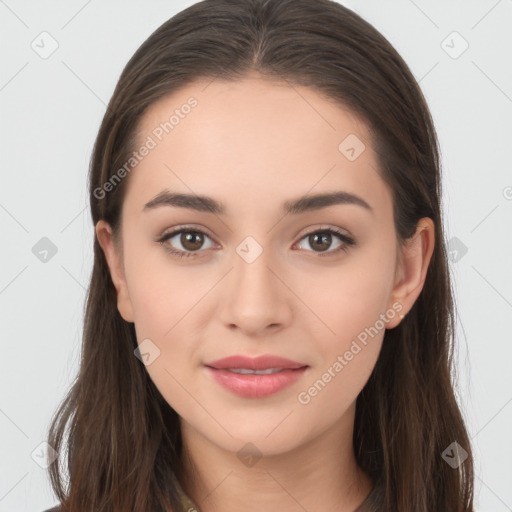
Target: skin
pixel 254 144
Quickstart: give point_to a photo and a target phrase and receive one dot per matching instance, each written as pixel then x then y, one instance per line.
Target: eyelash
pixel 347 242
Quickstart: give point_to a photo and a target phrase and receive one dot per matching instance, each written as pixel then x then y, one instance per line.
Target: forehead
pixel 253 139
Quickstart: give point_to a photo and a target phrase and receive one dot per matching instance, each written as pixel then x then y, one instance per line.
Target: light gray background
pixel 50 112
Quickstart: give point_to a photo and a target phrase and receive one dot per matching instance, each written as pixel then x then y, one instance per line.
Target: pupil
pixel 187 240
pixel 325 239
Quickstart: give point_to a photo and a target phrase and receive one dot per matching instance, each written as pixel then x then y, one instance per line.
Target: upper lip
pixel 263 362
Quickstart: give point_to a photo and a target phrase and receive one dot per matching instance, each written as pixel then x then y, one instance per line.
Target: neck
pixel 322 471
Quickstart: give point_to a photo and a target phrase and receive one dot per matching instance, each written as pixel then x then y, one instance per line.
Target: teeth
pixel 245 371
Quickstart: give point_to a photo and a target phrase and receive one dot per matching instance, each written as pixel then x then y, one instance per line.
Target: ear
pixel 113 255
pixel 414 260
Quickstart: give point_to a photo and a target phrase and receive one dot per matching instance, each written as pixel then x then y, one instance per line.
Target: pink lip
pixel 263 362
pixel 255 386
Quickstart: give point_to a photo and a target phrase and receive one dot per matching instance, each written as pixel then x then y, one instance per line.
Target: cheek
pixel 166 300
pixel 351 298
pixel 347 356
pixel 162 292
pixel 352 304
pixel 330 392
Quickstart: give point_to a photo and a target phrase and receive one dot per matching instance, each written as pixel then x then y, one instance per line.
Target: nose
pixel 255 300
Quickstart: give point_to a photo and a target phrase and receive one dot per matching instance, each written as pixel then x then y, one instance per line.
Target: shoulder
pixel 54 509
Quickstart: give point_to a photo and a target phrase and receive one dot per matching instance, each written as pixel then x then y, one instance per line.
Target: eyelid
pixel 185 227
pixel 176 230
pixel 326 227
pixel 347 240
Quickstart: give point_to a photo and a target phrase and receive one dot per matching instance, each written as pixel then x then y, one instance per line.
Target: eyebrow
pixel 296 206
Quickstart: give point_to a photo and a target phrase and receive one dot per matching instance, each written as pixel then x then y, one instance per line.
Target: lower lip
pixel 256 386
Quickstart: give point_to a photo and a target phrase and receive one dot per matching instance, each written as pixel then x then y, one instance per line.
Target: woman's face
pixel 253 278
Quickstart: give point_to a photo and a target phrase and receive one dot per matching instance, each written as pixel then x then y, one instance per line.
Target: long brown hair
pixel 122 439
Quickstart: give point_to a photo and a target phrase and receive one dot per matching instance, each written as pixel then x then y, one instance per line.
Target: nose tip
pixel 256 299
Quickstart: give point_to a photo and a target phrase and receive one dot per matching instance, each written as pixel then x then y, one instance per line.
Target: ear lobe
pixel 113 257
pixel 414 262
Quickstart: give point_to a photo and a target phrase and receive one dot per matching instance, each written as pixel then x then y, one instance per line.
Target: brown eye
pixel 191 240
pixel 185 242
pixel 320 241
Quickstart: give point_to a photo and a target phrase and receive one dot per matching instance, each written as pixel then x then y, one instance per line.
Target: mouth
pixel 255 377
pixel 247 371
pixel 267 362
